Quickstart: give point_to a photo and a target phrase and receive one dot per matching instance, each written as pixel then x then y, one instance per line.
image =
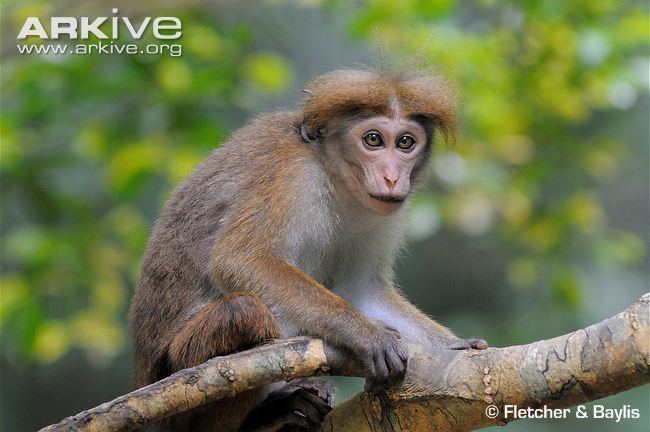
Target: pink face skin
pixel 384 151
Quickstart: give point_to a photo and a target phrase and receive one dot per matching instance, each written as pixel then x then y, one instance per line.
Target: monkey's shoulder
pixel 248 151
pixel 266 131
pixel 265 153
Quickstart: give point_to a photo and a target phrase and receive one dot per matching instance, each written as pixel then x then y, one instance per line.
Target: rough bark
pixel 443 390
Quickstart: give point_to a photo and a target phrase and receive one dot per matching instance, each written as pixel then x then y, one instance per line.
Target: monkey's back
pixel 176 274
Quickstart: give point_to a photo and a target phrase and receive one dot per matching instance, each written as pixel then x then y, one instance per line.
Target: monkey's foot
pixel 301 405
pixel 472 343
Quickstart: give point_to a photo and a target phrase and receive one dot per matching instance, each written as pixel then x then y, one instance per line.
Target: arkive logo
pixel 83 27
pixel 101 35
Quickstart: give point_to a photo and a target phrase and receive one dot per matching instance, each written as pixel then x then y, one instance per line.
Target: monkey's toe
pixel 302 410
pixel 323 389
pixel 472 343
pixel 300 405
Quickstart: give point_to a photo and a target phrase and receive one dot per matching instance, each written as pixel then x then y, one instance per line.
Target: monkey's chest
pixel 339 263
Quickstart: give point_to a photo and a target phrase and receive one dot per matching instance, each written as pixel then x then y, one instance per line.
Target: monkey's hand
pixel 384 358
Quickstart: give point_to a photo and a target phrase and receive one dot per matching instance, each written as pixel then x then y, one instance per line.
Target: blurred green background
pixel 532 225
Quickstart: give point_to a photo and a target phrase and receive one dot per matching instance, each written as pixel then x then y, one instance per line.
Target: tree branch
pixel 450 392
pixel 443 390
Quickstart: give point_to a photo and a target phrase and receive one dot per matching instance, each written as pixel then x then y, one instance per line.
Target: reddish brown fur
pixel 233 323
pixel 419 94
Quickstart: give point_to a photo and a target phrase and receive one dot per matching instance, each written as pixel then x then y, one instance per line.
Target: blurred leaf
pixel 52 341
pixel 101 336
pixel 515 149
pixel 11 151
pixel 29 243
pixel 584 210
pixel 516 207
pixel 542 235
pixel 522 272
pixel 203 40
pixel 132 161
pixel 268 72
pixel 182 163
pixel 567 288
pixel 174 76
pixel 620 248
pixel 424 219
pixel 601 164
pixel 473 212
pixel 14 294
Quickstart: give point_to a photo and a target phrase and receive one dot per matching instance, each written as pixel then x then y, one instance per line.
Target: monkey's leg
pixel 235 322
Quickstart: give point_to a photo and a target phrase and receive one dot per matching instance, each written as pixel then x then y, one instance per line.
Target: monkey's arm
pixel 388 306
pixel 301 302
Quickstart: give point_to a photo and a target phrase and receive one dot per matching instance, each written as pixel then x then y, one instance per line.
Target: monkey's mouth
pixel 387 198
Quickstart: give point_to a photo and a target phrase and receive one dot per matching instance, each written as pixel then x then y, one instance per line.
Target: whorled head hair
pixel 421 94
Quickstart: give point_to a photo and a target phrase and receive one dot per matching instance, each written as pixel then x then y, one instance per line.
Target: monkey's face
pixel 379 158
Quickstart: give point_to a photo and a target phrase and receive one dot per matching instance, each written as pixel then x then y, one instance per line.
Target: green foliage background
pixel 534 222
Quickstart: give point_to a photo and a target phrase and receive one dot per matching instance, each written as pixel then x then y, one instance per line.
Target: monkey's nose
pixel 391 182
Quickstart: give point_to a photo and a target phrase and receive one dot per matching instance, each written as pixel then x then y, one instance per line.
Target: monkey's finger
pixel 371 385
pixel 316 402
pixel 297 418
pixel 402 354
pixel 326 391
pixel 374 386
pixel 463 344
pixel 305 405
pixel 284 422
pixel 397 367
pixel 298 382
pixel 396 377
pixel 382 368
pixel 394 331
pixel 322 389
pixel 459 345
pixel 478 343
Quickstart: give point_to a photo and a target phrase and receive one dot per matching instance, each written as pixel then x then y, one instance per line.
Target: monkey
pixel 291 227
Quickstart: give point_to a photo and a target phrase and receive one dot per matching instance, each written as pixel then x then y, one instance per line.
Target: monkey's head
pixel 377 131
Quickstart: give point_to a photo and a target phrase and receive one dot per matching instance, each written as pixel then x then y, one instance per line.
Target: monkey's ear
pixel 306 137
pixel 304 133
pixel 309 137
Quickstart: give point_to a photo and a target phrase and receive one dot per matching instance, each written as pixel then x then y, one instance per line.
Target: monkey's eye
pixel 405 142
pixel 373 139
